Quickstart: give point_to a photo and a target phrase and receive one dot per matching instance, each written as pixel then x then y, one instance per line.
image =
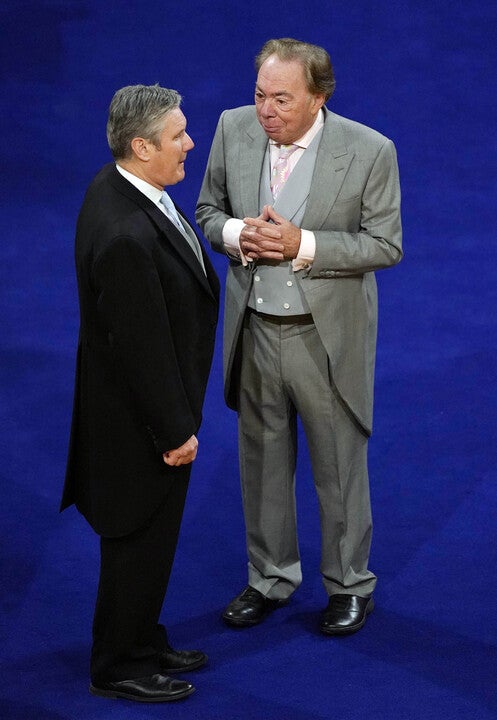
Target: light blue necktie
pixel 171 211
pixel 174 217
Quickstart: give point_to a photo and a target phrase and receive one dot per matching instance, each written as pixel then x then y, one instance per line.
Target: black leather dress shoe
pixel 249 608
pixel 345 614
pixel 179 661
pixel 153 689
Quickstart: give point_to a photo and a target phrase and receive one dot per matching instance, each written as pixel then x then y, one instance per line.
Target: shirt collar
pixel 150 191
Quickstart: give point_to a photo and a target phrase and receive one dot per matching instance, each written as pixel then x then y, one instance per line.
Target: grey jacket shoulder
pixel 240 119
pixel 352 131
pixel 243 114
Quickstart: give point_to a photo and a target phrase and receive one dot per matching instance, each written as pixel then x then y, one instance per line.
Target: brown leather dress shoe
pixel 345 614
pixel 153 689
pixel 179 661
pixel 249 608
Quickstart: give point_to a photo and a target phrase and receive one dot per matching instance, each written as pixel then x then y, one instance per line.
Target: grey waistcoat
pixel 274 288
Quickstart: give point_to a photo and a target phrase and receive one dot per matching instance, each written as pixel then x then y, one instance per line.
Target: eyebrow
pixel 279 93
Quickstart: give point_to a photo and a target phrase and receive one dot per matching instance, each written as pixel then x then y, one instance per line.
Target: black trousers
pixel 134 574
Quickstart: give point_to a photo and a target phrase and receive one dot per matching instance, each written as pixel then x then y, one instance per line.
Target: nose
pixel 188 144
pixel 267 108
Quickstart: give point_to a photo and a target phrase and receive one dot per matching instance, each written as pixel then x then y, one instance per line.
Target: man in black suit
pixel 148 299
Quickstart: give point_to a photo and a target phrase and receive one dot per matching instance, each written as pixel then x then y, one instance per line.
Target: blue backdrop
pixel 422 72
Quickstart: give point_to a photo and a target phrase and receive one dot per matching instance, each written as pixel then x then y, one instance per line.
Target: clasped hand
pixel 182 455
pixel 269 237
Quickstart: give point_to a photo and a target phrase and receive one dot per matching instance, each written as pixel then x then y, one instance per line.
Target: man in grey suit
pixel 306 205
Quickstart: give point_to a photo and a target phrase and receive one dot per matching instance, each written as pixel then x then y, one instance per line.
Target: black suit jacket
pixel 148 320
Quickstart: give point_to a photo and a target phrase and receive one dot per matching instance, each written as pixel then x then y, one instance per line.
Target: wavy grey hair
pixel 138 111
pixel 318 70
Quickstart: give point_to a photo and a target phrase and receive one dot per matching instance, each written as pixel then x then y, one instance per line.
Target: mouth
pixel 270 128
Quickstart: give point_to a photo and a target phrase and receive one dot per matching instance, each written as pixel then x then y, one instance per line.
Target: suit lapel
pixel 251 163
pixel 205 278
pixel 297 187
pixel 179 242
pixel 169 231
pixel 332 163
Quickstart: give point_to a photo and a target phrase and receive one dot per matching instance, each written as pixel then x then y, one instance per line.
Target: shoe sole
pixel 115 695
pixel 243 623
pixel 353 628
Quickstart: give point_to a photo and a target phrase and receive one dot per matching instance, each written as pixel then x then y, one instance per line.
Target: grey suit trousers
pixel 285 373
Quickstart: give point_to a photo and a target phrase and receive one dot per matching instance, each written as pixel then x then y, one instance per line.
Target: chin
pixel 177 179
pixel 278 138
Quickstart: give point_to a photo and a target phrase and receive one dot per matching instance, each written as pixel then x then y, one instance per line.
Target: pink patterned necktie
pixel 281 169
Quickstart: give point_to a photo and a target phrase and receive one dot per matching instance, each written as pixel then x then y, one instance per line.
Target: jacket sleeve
pixel 213 207
pixel 132 307
pixel 378 241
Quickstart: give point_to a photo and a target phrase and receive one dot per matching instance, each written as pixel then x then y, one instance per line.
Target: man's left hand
pixel 254 242
pixel 183 455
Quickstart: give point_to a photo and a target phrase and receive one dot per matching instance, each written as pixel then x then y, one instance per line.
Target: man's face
pixel 285 107
pixel 166 164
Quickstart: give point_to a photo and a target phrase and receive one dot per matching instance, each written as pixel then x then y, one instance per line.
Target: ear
pixel 317 102
pixel 141 148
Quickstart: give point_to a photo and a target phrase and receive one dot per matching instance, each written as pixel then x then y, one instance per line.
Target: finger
pixel 255 222
pixel 185 460
pixel 270 255
pixel 248 247
pixel 270 245
pixel 270 231
pixel 274 216
pixel 248 234
pixel 253 252
pixel 264 242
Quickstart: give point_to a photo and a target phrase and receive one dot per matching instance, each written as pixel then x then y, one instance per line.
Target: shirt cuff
pixel 307 250
pixel 231 239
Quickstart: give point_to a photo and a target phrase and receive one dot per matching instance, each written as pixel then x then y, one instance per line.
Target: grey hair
pixel 138 111
pixel 318 70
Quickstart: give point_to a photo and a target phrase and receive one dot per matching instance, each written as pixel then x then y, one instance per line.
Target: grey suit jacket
pixel 353 209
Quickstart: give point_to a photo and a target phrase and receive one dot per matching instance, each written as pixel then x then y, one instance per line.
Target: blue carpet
pixel 424 74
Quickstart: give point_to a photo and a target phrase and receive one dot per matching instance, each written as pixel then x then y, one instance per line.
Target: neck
pixel 135 167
